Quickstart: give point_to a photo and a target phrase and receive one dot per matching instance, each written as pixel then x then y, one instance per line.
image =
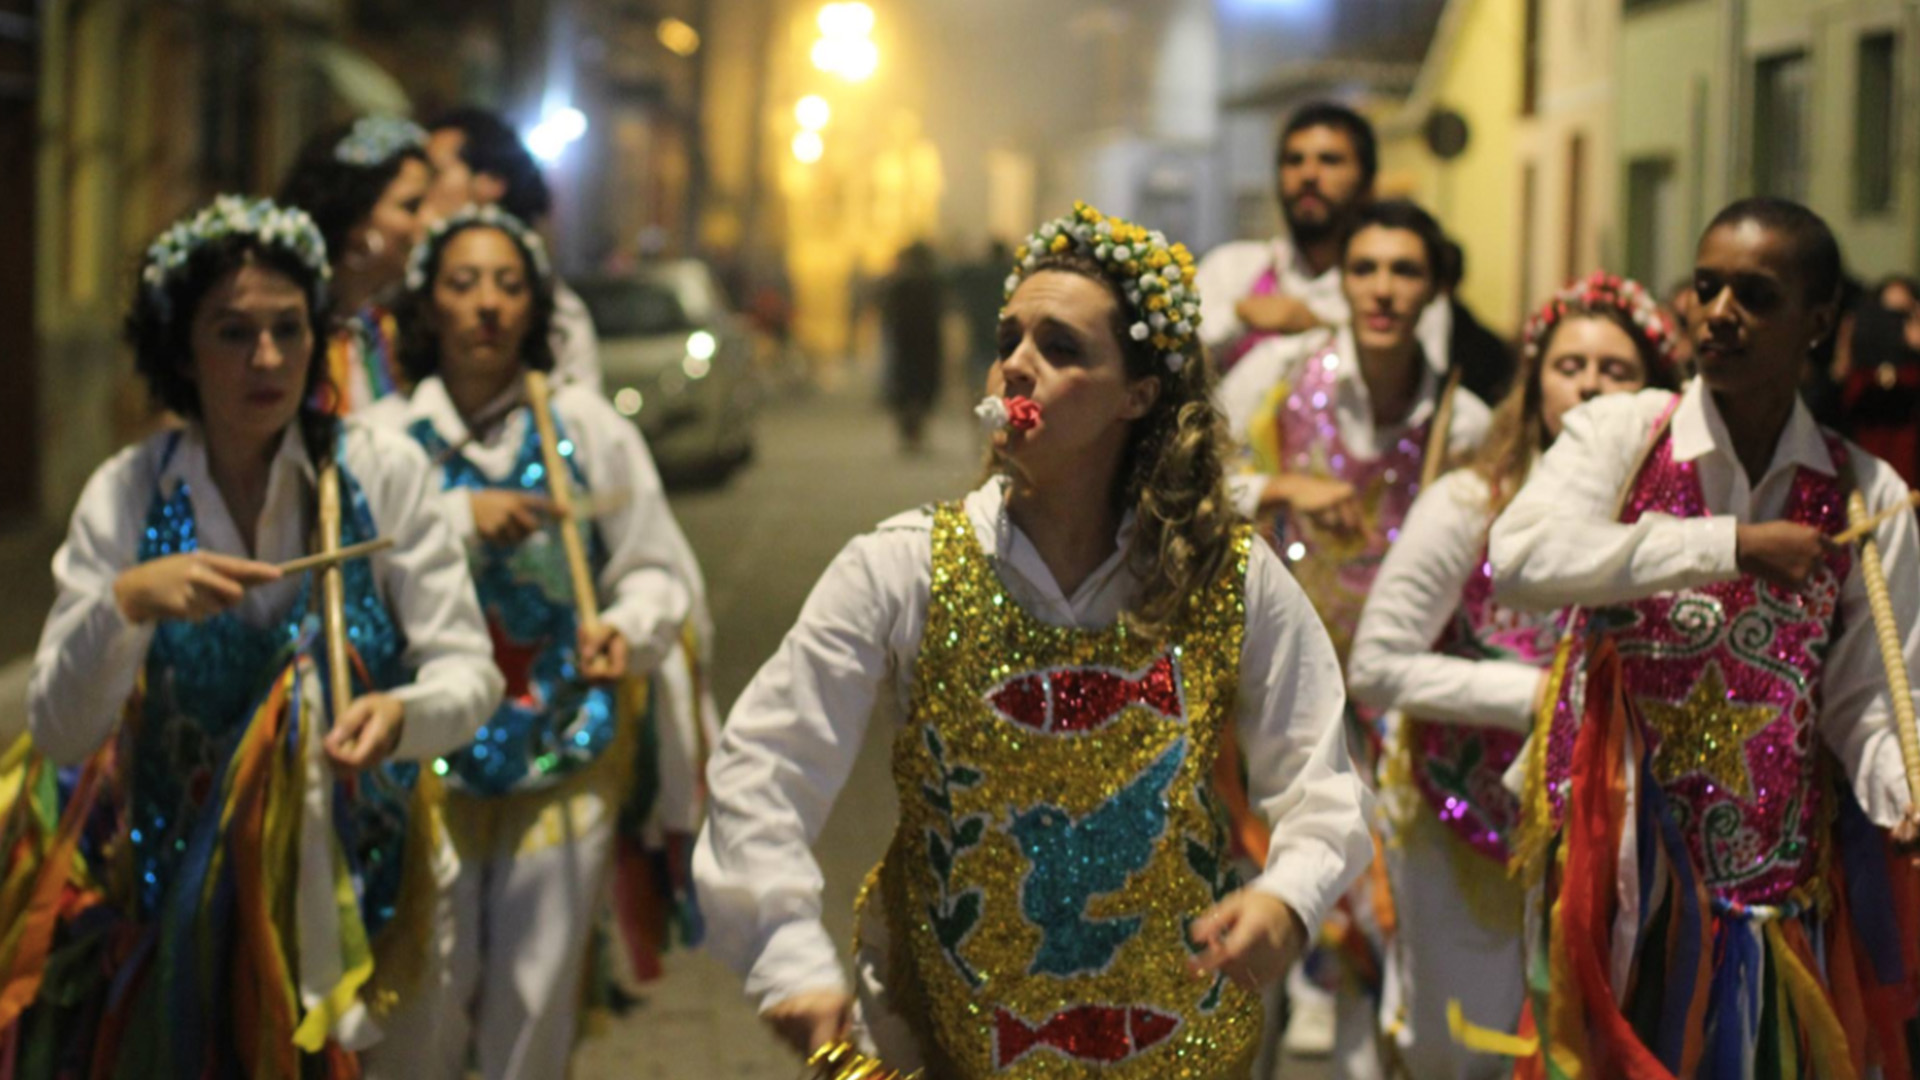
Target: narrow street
pixel 827 469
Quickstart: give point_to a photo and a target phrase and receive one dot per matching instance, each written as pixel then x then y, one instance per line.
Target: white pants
pixel 1448 949
pixel 520 916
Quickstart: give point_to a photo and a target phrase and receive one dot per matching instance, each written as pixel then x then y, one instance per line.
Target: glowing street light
pixel 846 22
pixel 846 47
pixel 854 60
pixel 559 129
pixel 678 36
pixel 813 112
pixel 808 146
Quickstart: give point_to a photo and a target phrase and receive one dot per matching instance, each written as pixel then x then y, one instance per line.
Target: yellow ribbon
pixel 1483 1040
pixel 1828 1038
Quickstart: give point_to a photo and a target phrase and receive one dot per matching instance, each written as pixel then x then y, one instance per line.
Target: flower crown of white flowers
pixel 471 216
pixel 377 139
pixel 1157 277
pixel 285 228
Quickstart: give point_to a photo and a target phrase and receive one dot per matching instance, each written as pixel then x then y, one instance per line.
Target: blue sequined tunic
pixel 202 683
pixel 552 723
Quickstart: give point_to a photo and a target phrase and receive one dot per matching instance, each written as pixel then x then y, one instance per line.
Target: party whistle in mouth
pixel 999 414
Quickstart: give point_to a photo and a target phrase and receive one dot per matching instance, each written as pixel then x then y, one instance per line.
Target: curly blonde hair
pixel 1173 475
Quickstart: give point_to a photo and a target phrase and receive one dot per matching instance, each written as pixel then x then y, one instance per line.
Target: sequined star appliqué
pixel 1707 734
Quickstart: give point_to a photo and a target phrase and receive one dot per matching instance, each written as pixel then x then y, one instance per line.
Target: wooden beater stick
pixel 340 555
pixel 1888 632
pixel 560 490
pixel 1864 528
pixel 333 591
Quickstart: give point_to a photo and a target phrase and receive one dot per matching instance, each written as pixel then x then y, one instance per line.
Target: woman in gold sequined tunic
pixel 1066 647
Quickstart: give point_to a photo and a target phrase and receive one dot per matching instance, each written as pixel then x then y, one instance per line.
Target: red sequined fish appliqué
pixel 1078 700
pixel 1093 1033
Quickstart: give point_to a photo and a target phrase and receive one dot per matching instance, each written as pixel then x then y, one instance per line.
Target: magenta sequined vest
pixel 1460 768
pixel 1725 682
pixel 1337 571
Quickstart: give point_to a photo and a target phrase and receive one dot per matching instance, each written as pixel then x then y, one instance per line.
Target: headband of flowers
pixel 286 228
pixel 1156 276
pixel 1601 290
pixel 471 216
pixel 375 140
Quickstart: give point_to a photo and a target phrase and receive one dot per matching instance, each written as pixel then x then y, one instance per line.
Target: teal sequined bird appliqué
pixel 1075 861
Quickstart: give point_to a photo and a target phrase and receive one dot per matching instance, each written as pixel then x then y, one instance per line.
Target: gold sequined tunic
pixel 1058 832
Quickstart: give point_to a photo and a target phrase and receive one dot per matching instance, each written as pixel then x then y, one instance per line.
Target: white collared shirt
pixel 1393 664
pixel 1245 391
pixel 643 588
pixel 1559 543
pixel 794 734
pixel 1229 272
pixel 90 655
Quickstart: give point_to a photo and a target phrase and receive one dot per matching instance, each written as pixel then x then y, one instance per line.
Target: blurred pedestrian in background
pixel 913 309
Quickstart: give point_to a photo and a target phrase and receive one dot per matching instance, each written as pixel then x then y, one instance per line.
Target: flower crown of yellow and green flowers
pixel 1156 277
pixel 375 140
pixel 286 228
pixel 472 216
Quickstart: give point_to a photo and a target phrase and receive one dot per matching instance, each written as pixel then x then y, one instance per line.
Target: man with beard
pixel 1253 290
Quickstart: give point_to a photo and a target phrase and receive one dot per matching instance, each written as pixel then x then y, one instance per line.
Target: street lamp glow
pixel 854 60
pixel 808 146
pixel 678 36
pixel 551 136
pixel 813 112
pixel 846 22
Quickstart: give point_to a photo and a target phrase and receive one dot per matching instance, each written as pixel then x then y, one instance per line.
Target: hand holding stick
pixel 560 490
pixel 326 560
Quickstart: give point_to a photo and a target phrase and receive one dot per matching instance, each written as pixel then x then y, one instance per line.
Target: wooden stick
pixel 1864 528
pixel 1439 441
pixel 1891 655
pixel 346 554
pixel 593 504
pixel 333 591
pixel 560 490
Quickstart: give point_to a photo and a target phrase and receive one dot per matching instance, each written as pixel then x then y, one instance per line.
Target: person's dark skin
pixel 1752 322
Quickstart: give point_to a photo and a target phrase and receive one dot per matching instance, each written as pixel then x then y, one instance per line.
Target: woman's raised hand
pixel 193 586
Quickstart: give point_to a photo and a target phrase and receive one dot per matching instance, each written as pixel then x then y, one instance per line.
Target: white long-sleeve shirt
pixel 643 592
pixel 90 654
pixel 1559 543
pixel 576 344
pixel 1393 664
pixel 1229 272
pixel 1244 392
pixel 794 734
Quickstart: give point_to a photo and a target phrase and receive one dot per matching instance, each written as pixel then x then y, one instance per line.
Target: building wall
pixel 1476 196
pixel 1570 143
pixel 1673 96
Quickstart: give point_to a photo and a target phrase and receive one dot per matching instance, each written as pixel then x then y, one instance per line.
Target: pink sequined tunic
pixel 1459 768
pixel 1724 680
pixel 1337 571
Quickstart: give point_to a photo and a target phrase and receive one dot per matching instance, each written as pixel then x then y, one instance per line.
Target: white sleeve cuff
pixel 1712 550
pixel 797 957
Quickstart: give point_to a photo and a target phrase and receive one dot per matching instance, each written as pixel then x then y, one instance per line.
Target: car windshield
pixel 634 308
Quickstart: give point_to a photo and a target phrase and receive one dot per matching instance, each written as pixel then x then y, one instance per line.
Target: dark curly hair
pixel 490 145
pixel 337 195
pixel 160 330
pixel 1173 476
pixel 420 347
